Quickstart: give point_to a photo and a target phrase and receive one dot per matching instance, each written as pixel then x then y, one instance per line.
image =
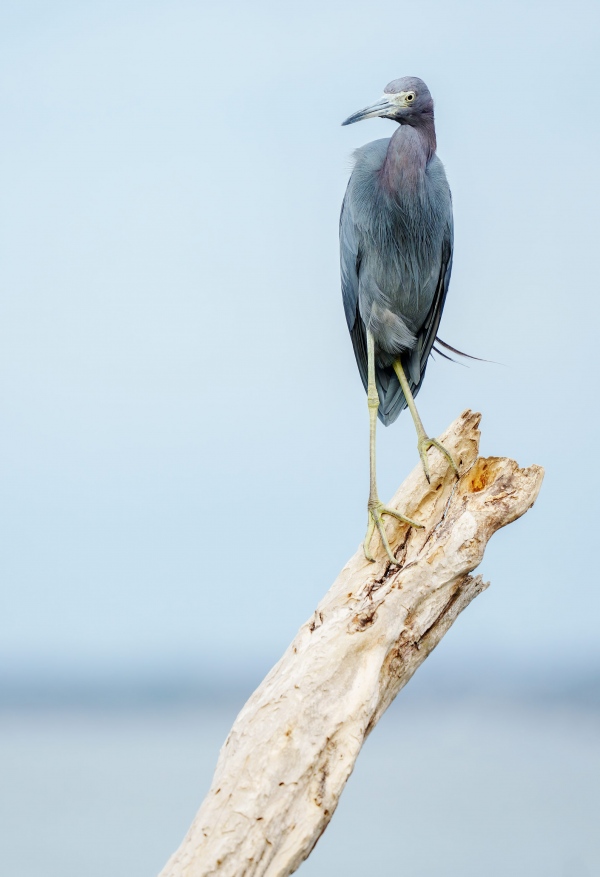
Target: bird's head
pixel 406 101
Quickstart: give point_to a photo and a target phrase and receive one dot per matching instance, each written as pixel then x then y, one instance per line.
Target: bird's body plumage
pixel 396 255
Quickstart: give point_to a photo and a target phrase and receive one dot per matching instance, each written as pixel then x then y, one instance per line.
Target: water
pixel 465 788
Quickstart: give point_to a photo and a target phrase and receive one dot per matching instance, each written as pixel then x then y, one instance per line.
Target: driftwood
pixel 292 748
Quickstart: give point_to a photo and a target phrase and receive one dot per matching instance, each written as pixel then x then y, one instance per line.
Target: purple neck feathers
pixel 408 154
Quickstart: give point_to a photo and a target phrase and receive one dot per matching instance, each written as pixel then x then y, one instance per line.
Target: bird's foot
pixel 376 512
pixel 423 446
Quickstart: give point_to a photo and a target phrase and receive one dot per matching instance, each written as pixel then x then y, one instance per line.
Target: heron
pixel 396 240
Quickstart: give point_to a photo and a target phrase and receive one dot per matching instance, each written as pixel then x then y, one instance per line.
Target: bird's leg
pixel 376 508
pixel 423 440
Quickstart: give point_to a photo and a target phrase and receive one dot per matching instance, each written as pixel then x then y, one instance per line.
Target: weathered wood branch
pixel 284 765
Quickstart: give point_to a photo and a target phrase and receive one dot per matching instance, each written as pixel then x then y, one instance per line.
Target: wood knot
pixel 363 620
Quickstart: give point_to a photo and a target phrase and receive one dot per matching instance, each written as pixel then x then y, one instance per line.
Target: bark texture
pixel 292 748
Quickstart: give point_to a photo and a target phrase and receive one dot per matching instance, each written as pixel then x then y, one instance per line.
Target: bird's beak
pixel 383 106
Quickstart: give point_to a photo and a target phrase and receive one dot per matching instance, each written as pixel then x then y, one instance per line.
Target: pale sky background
pixel 184 432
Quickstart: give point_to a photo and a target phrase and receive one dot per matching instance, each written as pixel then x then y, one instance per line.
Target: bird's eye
pixel 410 97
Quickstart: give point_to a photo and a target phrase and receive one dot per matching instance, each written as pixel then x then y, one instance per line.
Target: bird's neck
pixel 408 154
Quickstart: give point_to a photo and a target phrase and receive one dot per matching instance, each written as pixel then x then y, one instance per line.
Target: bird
pixel 396 243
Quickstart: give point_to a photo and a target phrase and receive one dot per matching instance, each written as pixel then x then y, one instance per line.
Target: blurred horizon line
pixel 172 686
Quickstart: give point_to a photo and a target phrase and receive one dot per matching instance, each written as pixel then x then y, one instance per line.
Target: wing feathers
pixel 392 399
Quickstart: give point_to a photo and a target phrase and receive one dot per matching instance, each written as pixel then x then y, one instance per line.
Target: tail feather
pixel 449 358
pixel 438 340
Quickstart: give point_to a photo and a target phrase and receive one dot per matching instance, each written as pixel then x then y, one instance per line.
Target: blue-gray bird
pixel 396 257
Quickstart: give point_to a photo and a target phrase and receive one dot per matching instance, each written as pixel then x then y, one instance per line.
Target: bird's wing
pixel 349 261
pixel 432 320
pixel 415 361
pixel 390 394
pixel 349 268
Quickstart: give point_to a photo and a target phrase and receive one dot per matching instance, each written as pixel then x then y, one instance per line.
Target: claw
pixel 368 537
pixel 423 446
pixel 376 512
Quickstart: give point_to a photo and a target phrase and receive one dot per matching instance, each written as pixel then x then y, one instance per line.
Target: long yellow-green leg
pixel 423 440
pixel 376 508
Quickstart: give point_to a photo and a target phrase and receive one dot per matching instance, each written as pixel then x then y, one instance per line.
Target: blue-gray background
pixel 183 444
